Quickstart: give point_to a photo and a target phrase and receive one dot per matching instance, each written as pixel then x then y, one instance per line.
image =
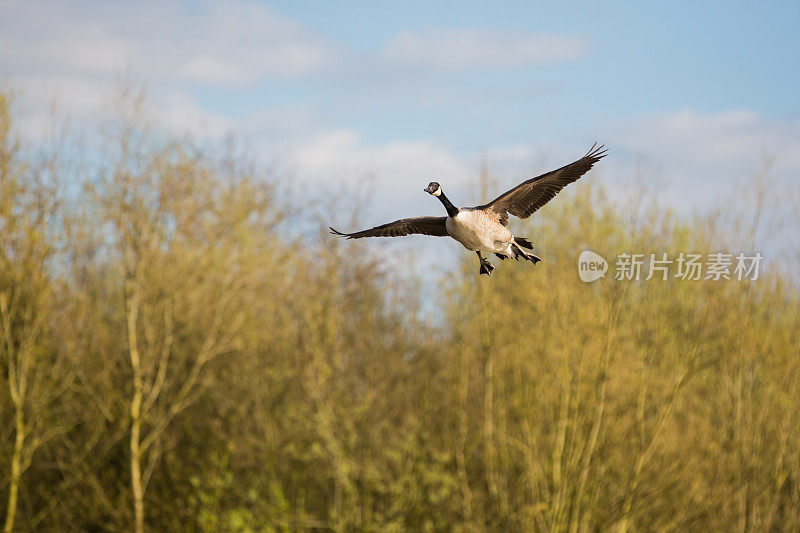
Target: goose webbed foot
pixel 486 266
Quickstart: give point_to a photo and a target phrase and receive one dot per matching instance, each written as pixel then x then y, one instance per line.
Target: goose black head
pixel 433 188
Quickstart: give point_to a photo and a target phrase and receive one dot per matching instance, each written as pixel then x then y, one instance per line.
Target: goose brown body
pixel 479 230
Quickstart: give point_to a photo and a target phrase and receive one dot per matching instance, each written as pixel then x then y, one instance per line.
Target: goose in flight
pixel 484 228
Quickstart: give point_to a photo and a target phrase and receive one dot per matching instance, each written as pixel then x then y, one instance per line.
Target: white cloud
pixel 721 147
pixel 74 53
pixel 398 167
pixel 470 49
pixel 696 161
pixel 232 45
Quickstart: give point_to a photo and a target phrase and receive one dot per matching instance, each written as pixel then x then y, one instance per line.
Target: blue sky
pixel 409 92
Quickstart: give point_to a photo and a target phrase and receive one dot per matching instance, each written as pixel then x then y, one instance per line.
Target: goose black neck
pixel 451 209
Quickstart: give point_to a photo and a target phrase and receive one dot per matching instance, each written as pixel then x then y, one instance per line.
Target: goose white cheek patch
pixel 437 192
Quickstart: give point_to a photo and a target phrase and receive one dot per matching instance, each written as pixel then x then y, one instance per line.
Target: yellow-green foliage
pixel 297 384
pixel 652 404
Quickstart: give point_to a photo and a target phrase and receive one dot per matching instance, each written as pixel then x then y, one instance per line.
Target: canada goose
pixel 484 228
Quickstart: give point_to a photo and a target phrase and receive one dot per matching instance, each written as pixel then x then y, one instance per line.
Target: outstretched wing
pixel 406 226
pixel 527 197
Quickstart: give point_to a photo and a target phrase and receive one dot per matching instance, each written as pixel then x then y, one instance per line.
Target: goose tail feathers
pixel 525 243
pixel 517 246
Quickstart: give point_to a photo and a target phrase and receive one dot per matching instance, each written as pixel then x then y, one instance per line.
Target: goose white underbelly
pixel 478 231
